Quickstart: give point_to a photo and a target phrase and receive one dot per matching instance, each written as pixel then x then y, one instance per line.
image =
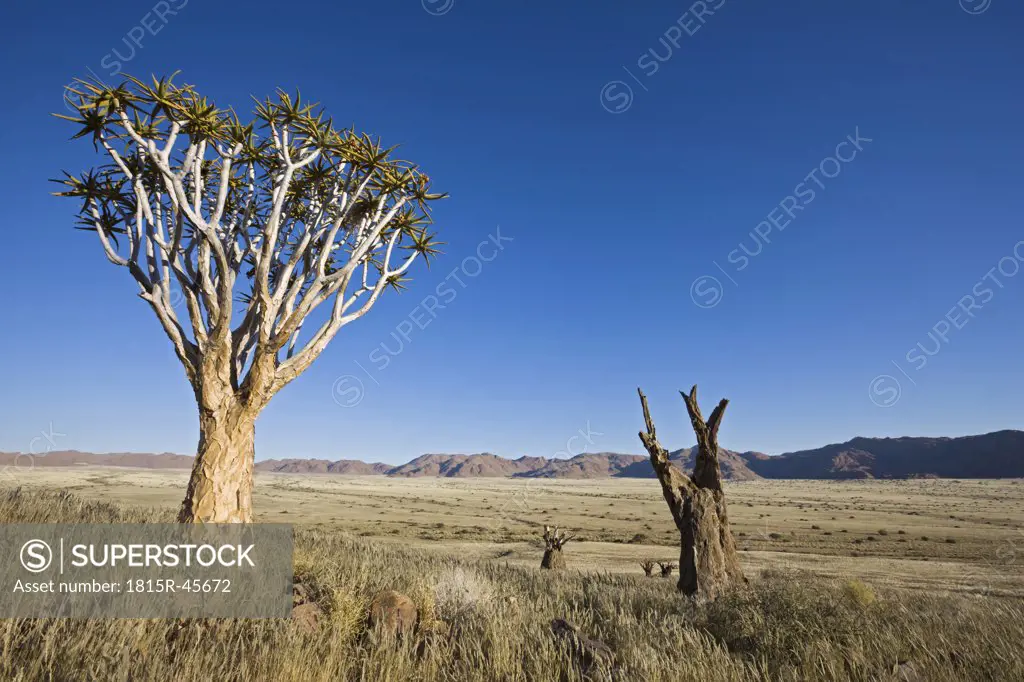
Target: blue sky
pixel 626 180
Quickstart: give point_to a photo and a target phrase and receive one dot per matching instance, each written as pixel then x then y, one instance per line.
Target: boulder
pixel 904 671
pixel 300 594
pixel 306 617
pixel 392 613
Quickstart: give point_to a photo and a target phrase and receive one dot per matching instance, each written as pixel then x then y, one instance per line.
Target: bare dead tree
pixel 648 567
pixel 666 569
pixel 254 232
pixel 708 561
pixel 554 541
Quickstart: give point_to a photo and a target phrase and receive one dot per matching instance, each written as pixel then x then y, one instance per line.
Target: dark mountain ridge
pixel 992 455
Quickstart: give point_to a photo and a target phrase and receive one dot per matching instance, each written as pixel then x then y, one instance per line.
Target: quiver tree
pixel 274 234
pixel 708 561
pixel 554 540
pixel 666 569
pixel 648 566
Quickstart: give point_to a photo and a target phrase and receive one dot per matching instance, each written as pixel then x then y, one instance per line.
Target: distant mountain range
pixel 992 455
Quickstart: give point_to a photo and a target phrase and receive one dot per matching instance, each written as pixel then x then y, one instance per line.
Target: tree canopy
pixel 257 223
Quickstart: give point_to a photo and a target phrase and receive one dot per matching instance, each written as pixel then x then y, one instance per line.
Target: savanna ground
pixel 873 580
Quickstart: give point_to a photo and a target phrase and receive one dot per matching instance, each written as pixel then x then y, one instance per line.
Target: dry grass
pixel 798 525
pixel 786 626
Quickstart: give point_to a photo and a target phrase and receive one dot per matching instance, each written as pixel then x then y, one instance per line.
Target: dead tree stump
pixel 648 567
pixel 554 540
pixel 708 561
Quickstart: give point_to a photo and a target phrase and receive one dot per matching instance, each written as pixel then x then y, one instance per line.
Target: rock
pixel 392 613
pixel 300 594
pixel 589 653
pixel 906 672
pixel 306 617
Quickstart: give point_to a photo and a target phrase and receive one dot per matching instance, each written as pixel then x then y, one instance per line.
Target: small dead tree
pixel 666 569
pixel 708 561
pixel 554 540
pixel 648 567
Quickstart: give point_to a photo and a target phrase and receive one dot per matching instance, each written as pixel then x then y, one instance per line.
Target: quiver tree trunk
pixel 553 542
pixel 708 561
pixel 553 559
pixel 220 487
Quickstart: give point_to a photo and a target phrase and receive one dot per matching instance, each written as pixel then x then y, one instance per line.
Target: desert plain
pixel 936 535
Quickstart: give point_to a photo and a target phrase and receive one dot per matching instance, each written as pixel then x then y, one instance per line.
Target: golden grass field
pixel 823 602
pixel 962 536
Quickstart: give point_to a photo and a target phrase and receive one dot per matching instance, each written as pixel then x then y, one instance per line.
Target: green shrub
pixel 859 593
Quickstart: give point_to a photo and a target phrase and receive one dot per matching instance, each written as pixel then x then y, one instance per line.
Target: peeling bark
pixel 220 488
